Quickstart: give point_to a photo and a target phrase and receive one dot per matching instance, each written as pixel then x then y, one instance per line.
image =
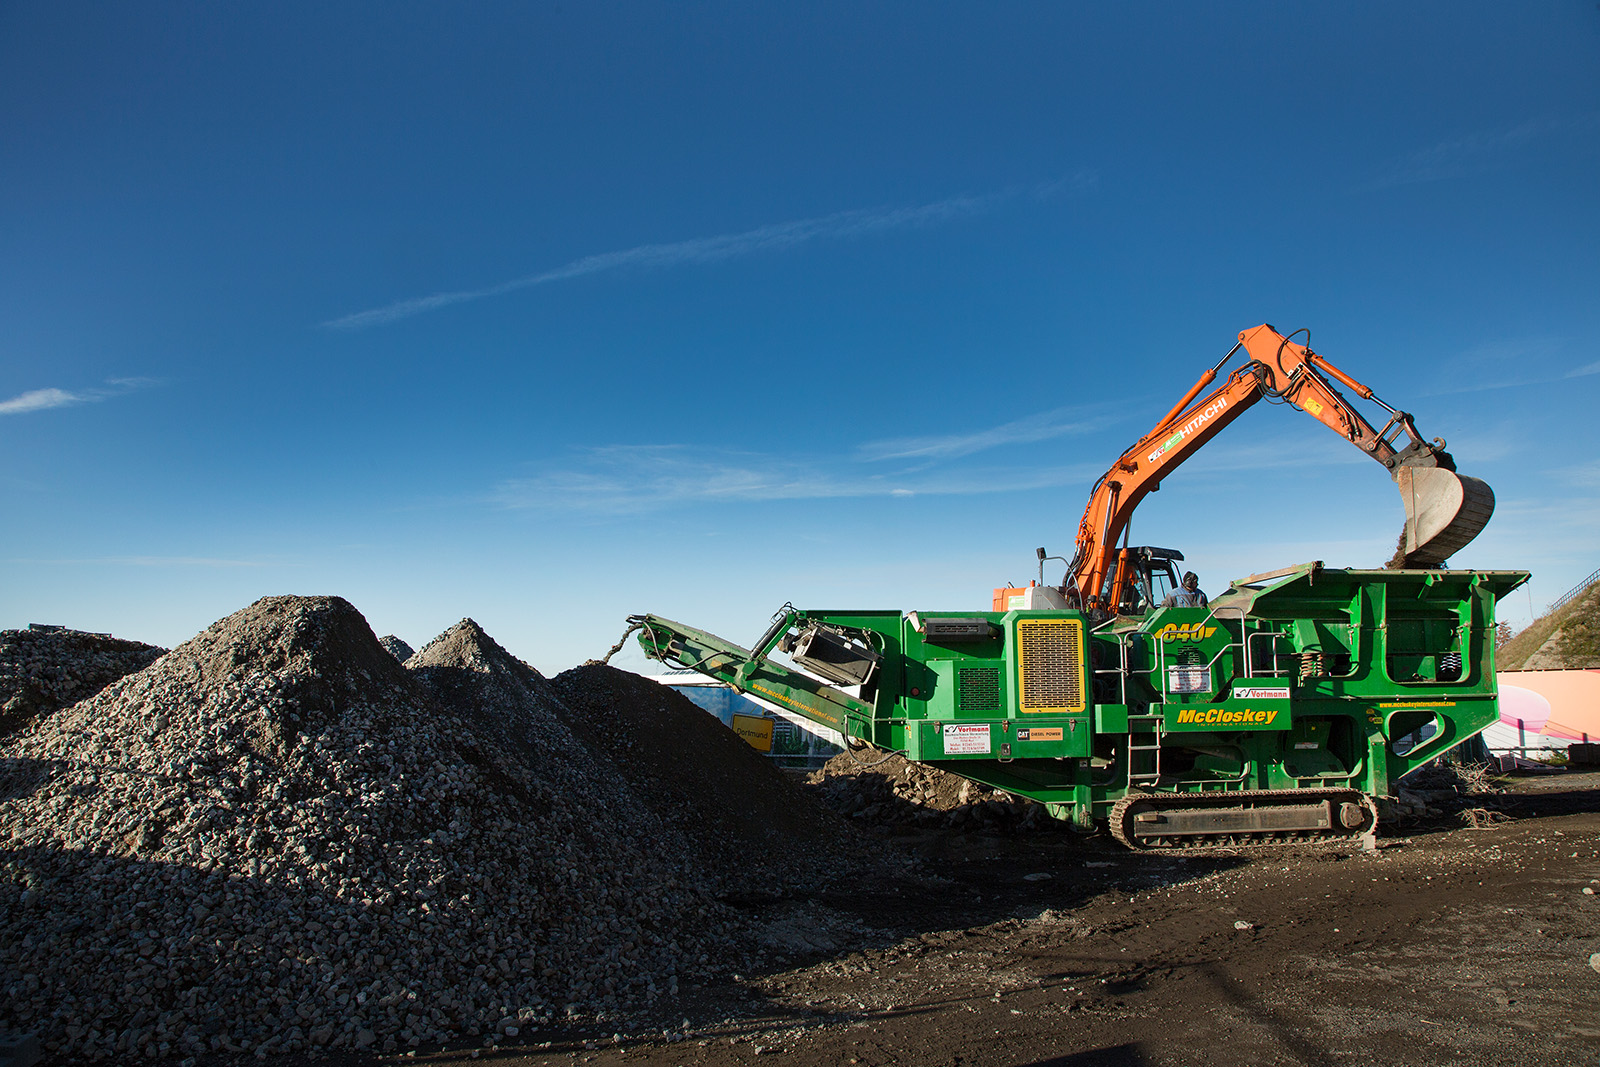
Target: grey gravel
pixel 42 670
pixel 396 647
pixel 276 838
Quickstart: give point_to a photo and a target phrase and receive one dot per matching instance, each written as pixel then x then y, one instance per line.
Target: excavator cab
pixel 1143 578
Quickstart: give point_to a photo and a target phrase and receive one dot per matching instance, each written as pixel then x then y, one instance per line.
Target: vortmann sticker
pixel 966 740
pixel 1261 692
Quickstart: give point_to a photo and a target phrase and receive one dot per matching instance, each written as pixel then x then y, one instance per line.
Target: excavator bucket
pixel 1444 510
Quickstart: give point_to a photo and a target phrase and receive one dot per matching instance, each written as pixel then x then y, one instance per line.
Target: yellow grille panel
pixel 1050 661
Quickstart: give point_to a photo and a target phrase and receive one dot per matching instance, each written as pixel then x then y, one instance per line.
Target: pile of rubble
pixel 1444 790
pixel 45 668
pixel 881 789
pixel 277 839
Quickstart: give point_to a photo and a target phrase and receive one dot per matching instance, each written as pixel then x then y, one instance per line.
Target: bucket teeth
pixel 1444 511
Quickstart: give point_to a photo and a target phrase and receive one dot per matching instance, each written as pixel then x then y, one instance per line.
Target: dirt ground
pixel 1449 946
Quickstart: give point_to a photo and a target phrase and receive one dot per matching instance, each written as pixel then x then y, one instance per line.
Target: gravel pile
pixel 506 701
pixel 396 647
pixel 42 670
pixel 276 838
pixel 517 712
pixel 897 791
pixel 748 828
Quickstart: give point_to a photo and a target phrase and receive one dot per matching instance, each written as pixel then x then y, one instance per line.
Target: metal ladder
pixel 1150 753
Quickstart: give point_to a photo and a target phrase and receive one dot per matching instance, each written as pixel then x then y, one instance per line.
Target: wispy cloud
pixel 45 399
pixel 1587 474
pixel 1483 367
pixel 631 478
pixel 1479 386
pixel 1311 447
pixel 39 400
pixel 1479 150
pixel 634 478
pixel 1044 426
pixel 696 250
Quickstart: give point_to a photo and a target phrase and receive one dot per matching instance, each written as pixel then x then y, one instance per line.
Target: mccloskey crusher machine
pixel 1279 712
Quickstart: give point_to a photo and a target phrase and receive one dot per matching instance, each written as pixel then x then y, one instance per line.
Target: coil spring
pixel 1310 665
pixel 1450 667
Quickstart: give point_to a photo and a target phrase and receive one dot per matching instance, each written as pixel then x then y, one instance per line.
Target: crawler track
pixel 1147 822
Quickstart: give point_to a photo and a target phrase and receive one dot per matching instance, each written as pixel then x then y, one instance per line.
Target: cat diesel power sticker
pixel 1246 718
pixel 1039 733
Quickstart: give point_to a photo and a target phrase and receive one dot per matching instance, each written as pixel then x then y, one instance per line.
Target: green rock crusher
pixel 1279 712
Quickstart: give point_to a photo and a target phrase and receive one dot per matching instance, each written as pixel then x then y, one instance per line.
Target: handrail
pixel 1574 593
pixel 1249 665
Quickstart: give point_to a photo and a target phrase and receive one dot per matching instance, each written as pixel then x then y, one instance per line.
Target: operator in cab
pixel 1189 596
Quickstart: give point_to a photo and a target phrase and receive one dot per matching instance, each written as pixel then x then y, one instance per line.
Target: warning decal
pixel 961 739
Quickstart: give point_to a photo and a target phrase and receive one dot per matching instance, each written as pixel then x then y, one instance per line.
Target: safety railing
pixel 1210 668
pixel 1575 592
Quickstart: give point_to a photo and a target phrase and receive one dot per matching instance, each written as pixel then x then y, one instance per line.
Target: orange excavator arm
pixel 1444 510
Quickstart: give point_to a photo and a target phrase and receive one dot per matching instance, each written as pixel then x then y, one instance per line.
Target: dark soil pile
pixel 275 838
pixel 44 670
pixel 879 790
pixel 745 821
pixel 1564 639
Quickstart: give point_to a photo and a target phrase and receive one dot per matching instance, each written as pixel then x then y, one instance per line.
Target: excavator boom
pixel 1444 510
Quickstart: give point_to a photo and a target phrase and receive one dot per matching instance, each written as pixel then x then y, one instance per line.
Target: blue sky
pixel 548 314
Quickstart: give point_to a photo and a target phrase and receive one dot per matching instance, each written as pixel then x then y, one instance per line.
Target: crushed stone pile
pixel 396 647
pixel 469 673
pixel 699 793
pixel 748 826
pixel 880 790
pixel 42 670
pixel 277 839
pixel 517 709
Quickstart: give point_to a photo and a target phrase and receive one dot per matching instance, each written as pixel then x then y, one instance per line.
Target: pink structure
pixel 1561 704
